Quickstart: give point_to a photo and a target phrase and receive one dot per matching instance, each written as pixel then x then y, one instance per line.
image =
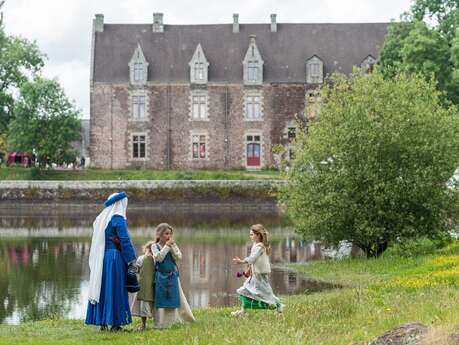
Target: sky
pixel 62 28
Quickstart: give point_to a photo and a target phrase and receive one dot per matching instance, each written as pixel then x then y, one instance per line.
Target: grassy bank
pixel 378 295
pixel 17 173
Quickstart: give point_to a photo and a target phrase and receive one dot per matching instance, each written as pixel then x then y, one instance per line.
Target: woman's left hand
pixel 237 260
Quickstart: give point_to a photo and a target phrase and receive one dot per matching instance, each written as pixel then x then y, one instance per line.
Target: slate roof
pixel 340 46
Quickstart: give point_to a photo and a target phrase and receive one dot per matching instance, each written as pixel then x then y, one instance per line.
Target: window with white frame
pixel 315 70
pixel 253 138
pixel 199 146
pixel 138 71
pixel 138 107
pixel 252 71
pixel 199 70
pixel 199 106
pixel 253 107
pixel 138 146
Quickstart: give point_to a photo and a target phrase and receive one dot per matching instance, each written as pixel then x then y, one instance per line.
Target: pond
pixel 44 256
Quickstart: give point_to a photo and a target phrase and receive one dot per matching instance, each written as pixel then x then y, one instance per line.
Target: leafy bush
pixel 414 248
pixel 373 167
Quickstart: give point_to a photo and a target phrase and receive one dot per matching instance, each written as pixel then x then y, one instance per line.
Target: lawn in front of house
pixel 18 173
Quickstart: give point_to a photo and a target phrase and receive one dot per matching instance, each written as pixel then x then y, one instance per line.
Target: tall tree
pixel 443 14
pixel 20 60
pixel 373 167
pixel 45 123
pixel 424 42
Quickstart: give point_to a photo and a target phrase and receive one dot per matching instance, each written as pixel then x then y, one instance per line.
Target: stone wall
pixel 149 192
pixel 168 125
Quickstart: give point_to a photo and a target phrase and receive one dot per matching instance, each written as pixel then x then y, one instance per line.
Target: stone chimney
pixel 235 22
pixel 273 23
pixel 98 23
pixel 158 25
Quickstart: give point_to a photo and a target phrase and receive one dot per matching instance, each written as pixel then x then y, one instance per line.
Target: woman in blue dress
pixel 111 253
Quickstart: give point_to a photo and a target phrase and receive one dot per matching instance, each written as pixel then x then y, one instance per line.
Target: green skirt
pixel 249 303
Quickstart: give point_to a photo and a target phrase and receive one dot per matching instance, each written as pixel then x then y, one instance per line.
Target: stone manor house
pixel 211 96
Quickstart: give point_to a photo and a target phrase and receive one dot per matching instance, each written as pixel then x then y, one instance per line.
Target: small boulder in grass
pixel 407 334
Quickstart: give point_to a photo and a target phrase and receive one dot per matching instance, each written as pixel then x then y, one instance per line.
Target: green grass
pixel 18 173
pixel 379 294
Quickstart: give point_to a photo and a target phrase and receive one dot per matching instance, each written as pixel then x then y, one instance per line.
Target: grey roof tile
pixel 340 46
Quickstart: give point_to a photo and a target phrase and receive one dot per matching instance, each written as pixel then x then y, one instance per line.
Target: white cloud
pixel 46 20
pixel 62 28
pixel 74 78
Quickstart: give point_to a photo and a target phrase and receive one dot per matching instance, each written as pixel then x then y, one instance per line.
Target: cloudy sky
pixel 62 28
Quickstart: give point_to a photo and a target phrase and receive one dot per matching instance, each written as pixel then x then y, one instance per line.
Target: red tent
pixel 20 158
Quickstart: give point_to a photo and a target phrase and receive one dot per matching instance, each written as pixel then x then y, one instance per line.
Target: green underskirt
pixel 249 303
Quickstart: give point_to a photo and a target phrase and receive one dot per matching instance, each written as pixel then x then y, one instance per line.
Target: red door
pixel 253 155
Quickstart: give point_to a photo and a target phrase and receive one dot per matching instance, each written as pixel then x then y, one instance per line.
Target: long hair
pixel 260 230
pixel 160 230
pixel 148 246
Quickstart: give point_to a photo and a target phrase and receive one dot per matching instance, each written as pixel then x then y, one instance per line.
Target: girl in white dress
pixel 256 293
pixel 168 290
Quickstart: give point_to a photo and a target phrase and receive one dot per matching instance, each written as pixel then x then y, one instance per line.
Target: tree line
pixel 35 114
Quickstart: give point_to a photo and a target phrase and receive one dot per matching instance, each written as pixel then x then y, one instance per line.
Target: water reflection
pixel 38 278
pixel 44 269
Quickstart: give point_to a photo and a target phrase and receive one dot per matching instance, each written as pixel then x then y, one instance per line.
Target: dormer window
pixel 253 64
pixel 199 70
pixel 252 71
pixel 314 70
pixel 138 67
pixel 368 64
pixel 138 71
pixel 199 67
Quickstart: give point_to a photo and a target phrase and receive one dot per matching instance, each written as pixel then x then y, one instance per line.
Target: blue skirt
pixel 113 307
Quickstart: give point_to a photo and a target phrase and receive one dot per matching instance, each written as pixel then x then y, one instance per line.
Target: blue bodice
pixel 117 228
pixel 166 283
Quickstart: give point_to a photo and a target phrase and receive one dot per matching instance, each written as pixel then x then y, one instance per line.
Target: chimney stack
pixel 273 23
pixel 158 25
pixel 235 22
pixel 98 23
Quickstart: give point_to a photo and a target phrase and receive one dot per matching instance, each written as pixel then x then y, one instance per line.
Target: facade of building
pixel 211 96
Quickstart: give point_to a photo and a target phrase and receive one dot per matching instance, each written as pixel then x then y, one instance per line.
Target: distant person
pixel 82 162
pixel 171 306
pixel 111 253
pixel 143 301
pixel 256 292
